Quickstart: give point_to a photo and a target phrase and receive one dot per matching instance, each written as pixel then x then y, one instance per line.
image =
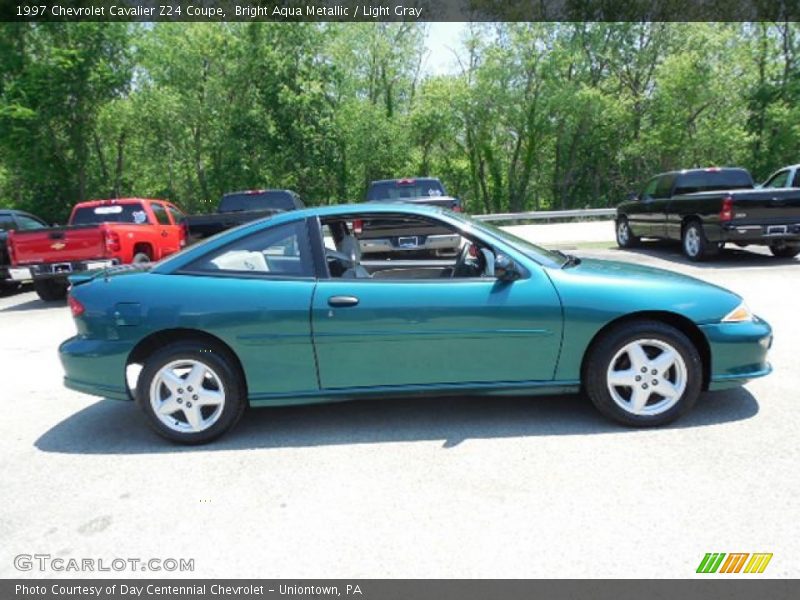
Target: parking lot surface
pixel 451 487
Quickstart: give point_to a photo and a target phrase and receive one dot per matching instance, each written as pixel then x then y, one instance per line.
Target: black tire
pixel 141 258
pixel 625 237
pixel 606 349
pixel 51 290
pixel 213 357
pixel 784 250
pixel 696 246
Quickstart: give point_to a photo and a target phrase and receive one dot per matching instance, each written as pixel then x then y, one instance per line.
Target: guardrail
pixel 538 215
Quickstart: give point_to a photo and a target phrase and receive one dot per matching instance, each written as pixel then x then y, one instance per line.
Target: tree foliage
pixel 538 115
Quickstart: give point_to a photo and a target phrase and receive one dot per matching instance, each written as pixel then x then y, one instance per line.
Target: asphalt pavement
pixel 450 487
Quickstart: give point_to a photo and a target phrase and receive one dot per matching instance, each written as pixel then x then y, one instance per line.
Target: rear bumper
pixel 60 270
pixel 766 234
pixel 738 352
pixel 95 367
pixel 410 243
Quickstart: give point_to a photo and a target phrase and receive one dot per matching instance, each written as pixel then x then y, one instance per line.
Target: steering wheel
pixel 465 268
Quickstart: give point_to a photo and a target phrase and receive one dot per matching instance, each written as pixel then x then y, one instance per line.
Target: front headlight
pixel 739 314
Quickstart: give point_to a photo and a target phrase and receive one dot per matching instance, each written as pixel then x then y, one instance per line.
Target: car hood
pixel 620 287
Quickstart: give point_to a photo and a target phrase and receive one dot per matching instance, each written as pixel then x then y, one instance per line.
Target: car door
pixel 374 333
pixel 659 204
pixel 169 233
pixel 255 293
pixel 639 218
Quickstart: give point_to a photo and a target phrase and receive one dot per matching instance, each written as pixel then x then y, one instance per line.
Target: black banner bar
pixel 730 588
pixel 400 10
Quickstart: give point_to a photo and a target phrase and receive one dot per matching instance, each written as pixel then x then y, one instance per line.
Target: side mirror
pixel 505 269
pixel 633 197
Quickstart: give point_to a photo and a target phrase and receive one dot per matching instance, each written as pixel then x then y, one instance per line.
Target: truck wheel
pixel 643 374
pixel 191 392
pixel 784 250
pixel 140 258
pixel 51 290
pixel 696 246
pixel 625 237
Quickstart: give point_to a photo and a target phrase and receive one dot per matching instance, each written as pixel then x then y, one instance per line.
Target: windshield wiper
pixel 570 260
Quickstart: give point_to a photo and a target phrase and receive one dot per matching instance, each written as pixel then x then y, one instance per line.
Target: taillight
pixel 358 226
pixel 184 233
pixel 75 306
pixel 456 208
pixel 112 241
pixel 726 214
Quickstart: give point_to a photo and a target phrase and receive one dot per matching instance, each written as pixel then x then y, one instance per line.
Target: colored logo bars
pixel 713 562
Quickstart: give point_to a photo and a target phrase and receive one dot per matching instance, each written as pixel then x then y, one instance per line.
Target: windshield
pixel 110 213
pixel 529 249
pixel 256 201
pixel 380 191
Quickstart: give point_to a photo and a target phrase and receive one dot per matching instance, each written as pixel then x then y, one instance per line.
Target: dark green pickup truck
pixel 706 208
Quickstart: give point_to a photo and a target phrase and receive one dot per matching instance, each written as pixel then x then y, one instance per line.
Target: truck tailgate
pixel 779 206
pixel 58 244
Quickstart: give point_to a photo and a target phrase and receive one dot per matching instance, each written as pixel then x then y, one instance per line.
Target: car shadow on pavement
pixel 117 427
pixel 35 304
pixel 731 257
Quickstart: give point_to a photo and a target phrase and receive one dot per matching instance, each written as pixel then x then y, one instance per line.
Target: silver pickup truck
pixel 378 238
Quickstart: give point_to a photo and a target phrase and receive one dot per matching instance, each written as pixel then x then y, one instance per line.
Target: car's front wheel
pixel 191 392
pixel 643 373
pixel 625 237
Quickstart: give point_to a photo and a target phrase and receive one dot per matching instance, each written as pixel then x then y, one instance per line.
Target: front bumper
pixel 738 352
pixel 59 270
pixel 96 367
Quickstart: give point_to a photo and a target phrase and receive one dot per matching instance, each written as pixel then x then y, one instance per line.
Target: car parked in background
pixel 378 238
pixel 274 313
pixel 783 178
pixel 100 233
pixel 237 208
pixel 13 220
pixel 707 208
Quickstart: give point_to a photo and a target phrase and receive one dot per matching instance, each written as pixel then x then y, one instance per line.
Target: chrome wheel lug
pixel 638 378
pixel 194 397
pixel 644 386
pixel 655 381
pixel 654 372
pixel 180 400
pixel 644 369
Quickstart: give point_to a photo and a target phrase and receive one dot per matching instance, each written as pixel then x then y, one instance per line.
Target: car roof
pixel 426 178
pixel 364 207
pixel 259 191
pixel 16 211
pixel 703 170
pixel 90 203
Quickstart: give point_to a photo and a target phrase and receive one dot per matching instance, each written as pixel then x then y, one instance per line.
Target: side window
pixel 664 186
pixel 26 223
pixel 276 251
pixel 7 223
pixel 177 216
pixel 778 180
pixel 650 189
pixel 160 212
pixel 796 180
pixel 397 247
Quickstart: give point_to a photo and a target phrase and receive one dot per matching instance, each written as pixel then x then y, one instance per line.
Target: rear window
pixel 709 181
pixel 110 213
pixel 404 188
pixel 257 201
pixel 7 223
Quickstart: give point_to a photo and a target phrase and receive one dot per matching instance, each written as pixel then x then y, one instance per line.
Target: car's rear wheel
pixel 643 373
pixel 141 258
pixel 625 237
pixel 191 392
pixel 51 290
pixel 696 246
pixel 784 250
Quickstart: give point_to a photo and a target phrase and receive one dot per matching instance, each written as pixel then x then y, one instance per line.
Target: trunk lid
pixel 58 244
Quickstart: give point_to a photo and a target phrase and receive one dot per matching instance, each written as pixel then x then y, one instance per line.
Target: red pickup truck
pixel 100 233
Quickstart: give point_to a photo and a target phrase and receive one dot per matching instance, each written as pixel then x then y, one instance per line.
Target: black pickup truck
pixel 237 208
pixel 13 220
pixel 379 238
pixel 706 208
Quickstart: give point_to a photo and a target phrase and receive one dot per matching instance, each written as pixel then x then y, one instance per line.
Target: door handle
pixel 342 301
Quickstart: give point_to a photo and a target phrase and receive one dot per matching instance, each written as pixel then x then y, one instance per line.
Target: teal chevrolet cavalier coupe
pixel 285 311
